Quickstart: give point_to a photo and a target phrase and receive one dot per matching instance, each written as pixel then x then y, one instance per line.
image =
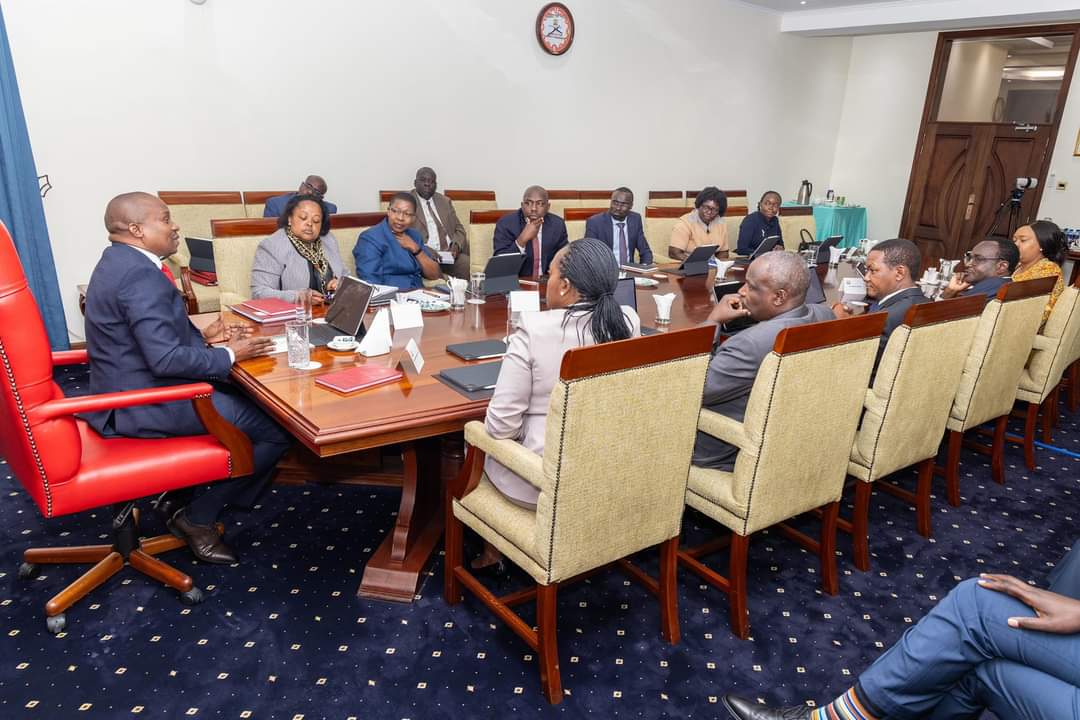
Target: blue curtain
pixel 20 201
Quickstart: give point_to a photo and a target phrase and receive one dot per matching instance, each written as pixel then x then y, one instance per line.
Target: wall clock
pixel 555 28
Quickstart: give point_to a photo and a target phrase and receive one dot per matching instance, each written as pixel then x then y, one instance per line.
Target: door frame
pixel 937 82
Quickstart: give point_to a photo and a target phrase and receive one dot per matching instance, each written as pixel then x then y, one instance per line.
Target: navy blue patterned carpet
pixel 283 634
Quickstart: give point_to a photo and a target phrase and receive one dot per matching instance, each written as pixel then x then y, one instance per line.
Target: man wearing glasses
pixel 312 185
pixel 987 267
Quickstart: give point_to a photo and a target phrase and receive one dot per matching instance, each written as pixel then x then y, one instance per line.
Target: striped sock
pixel 846 707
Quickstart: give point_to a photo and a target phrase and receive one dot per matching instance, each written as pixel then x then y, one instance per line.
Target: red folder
pixel 266 310
pixel 359 377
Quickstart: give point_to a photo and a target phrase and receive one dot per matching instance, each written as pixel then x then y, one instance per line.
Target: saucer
pixel 347 346
pixel 431 306
pixel 646 282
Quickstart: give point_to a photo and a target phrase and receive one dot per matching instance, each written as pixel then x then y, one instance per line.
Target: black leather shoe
pixel 168 504
pixel 205 542
pixel 743 709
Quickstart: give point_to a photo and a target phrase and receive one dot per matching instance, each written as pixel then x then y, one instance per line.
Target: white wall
pixel 1063 206
pixel 879 124
pixel 250 94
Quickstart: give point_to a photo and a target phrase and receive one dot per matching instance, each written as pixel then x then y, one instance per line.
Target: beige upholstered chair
pixel 904 412
pixel 575 220
pixel 1055 348
pixel 995 362
pixel 255 200
pixel 793 220
pixel 346 228
pixel 235 243
pixel 562 199
pixel 735 198
pixel 784 468
pixel 481 234
pixel 604 493
pixel 733 218
pixel 465 201
pixel 659 222
pixel 666 198
pixel 193 211
pixel 384 199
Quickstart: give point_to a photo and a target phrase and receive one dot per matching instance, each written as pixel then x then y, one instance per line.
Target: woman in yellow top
pixel 704 225
pixel 1042 252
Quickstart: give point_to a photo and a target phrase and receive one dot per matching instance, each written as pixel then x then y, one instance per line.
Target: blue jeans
pixel 963 657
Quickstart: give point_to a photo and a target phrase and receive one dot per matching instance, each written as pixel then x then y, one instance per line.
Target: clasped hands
pixel 237 337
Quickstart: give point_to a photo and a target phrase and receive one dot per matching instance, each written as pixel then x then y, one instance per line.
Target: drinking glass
pixel 296 339
pixel 303 305
pixel 476 287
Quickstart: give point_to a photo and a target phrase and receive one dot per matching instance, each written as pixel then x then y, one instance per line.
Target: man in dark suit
pixel 312 185
pixel 621 229
pixel 774 294
pixel 438 224
pixel 138 335
pixel 891 269
pixel 531 231
pixel 987 267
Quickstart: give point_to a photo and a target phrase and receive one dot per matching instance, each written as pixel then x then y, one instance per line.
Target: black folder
pixel 472 378
pixel 479 350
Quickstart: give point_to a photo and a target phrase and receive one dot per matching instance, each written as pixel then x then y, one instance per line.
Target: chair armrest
pixel 723 428
pixel 70 357
pixel 187 291
pixel 1044 343
pixel 237 443
pixel 515 456
pixel 873 402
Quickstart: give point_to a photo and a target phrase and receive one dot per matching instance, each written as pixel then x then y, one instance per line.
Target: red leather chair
pixel 66 467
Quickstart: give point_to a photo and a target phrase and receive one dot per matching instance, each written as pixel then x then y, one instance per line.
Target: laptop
pixel 345 316
pixel 766 245
pixel 626 294
pixel 697 263
pixel 824 256
pixel 202 254
pixel 501 273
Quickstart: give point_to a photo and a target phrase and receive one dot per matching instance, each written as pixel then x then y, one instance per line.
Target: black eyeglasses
pixel 971 258
pixel 312 189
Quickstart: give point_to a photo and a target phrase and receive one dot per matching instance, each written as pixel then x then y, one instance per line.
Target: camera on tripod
pixel 1022 184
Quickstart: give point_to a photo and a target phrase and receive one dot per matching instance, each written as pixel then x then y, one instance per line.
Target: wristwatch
pixel 418 251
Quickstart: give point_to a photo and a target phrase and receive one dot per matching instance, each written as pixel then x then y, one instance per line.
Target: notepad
pixel 359 378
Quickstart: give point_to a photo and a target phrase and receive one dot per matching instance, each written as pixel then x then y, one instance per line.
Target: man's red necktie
pixel 168 273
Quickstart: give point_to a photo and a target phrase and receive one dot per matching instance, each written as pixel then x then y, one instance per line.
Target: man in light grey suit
pixel 774 295
pixel 438 224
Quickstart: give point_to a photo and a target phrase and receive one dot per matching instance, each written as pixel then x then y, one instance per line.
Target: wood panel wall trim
pixel 385 195
pixel 564 194
pixel 242 227
pixel 829 332
pixel 665 212
pixel 355 220
pixel 932 313
pixel 623 354
pixel 200 197
pixel 484 217
pixel 255 197
pixel 1026 288
pixel 665 194
pixel 728 193
pixel 736 211
pixel 595 194
pixel 796 210
pixel 582 213
pixel 470 194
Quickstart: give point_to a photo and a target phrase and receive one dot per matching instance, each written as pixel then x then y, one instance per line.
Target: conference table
pixel 416 414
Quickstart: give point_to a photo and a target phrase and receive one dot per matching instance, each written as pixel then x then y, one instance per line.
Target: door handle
pixel 970 207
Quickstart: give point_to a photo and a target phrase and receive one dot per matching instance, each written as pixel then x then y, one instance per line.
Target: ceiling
pixel 795 5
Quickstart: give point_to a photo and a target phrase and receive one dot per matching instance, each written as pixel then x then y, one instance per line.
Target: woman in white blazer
pixel 581 311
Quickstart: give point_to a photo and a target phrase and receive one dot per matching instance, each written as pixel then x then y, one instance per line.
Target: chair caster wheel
pixel 56 623
pixel 28 571
pixel 194 596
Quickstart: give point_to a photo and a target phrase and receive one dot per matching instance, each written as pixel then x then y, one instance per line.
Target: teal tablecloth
pixel 834 220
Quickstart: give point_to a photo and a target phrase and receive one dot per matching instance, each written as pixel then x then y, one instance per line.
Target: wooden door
pixel 1011 152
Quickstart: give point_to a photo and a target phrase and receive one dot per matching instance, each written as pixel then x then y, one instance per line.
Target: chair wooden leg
pixel 997 451
pixel 75 555
pixel 860 525
pixel 454 551
pixel 1031 414
pixel 550 679
pixel 668 595
pixel 92 578
pixel 740 619
pixel 152 567
pixel 1049 409
pixel 830 581
pixel 922 497
pixel 952 468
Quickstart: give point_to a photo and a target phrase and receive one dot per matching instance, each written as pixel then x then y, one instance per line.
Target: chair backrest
pixel 562 199
pixel 1055 348
pixel 575 220
pixel 465 201
pixel 735 198
pixel 659 222
pixel 666 198
pixel 384 198
pixel 235 243
pixel 255 200
pixel 793 219
pixel 193 211
pixel 801 422
pixel 346 228
pixel 481 234
pixel 26 367
pixel 914 387
pixel 999 351
pixel 733 218
pixel 616 461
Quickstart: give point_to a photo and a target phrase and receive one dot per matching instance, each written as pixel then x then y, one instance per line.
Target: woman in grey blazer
pixel 582 310
pixel 301 254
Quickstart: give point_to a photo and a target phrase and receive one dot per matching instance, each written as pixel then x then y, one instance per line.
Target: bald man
pixel 531 231
pixel 312 185
pixel 438 223
pixel 774 295
pixel 138 335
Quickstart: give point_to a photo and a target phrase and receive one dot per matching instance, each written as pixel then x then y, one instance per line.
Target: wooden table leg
pixel 393 572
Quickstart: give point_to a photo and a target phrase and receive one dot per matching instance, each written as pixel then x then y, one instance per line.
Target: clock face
pixel 555 28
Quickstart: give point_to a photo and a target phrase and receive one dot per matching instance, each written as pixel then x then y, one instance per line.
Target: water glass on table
pixel 296 340
pixel 303 305
pixel 476 287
